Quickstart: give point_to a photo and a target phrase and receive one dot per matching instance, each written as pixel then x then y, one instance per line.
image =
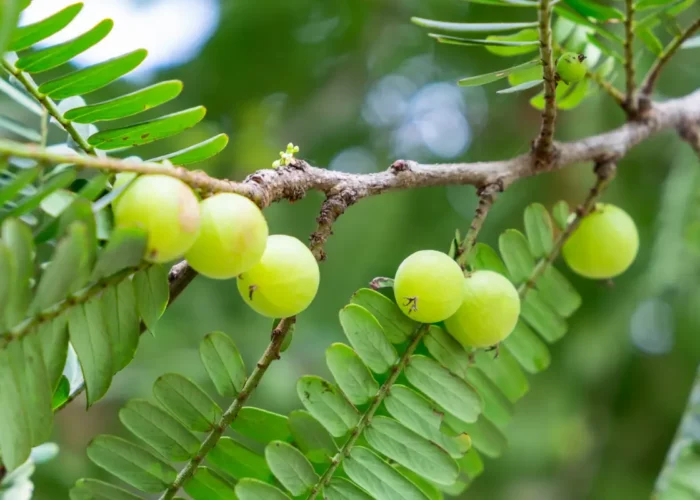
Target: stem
pixel 366 419
pixel 544 143
pixel 630 101
pixel 607 87
pixel 605 173
pixel 271 354
pixel 486 199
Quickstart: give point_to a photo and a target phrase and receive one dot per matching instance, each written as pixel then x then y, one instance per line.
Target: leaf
pixel 561 212
pixel 186 402
pixel 470 27
pixel 471 464
pixel 558 292
pixel 89 79
pixel 527 41
pixel 575 96
pixel 239 461
pixel 8 21
pixel 527 348
pixel 327 404
pixel 52 57
pixel 496 75
pixel 501 45
pixel 290 467
pixel 37 390
pixel 484 435
pixel 18 239
pixel 407 448
pixel 342 489
pixel 497 407
pixel 199 152
pixel 159 430
pixel 483 257
pixel 652 42
pixel 223 363
pixel 26 36
pixel 352 376
pixel 447 351
pixel 125 249
pixel 648 4
pixel 8 268
pixel 427 487
pixel 15 434
pixel 581 20
pixel 261 425
pixel 377 477
pixel 89 337
pixel 152 293
pixel 397 326
pixel 131 463
pixel 443 387
pixel 10 190
pixel 149 131
pixel 53 337
pixel 504 372
pixel 520 87
pixel 311 437
pixel 590 8
pixel 615 55
pixel 541 317
pixel 539 230
pixel 21 98
pixel 20 130
pixel 91 489
pixel 207 485
pixel 367 338
pixel 516 255
pixel 60 395
pixel 252 489
pixel 29 203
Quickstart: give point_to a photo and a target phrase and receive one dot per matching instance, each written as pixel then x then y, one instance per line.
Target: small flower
pixel 286 157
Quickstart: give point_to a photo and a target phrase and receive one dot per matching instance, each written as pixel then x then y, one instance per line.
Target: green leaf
pixel 527 348
pixel 527 41
pixel 126 105
pixel 445 388
pixel 223 363
pixel 186 402
pixel 595 10
pixel 485 436
pixel 54 341
pixel 60 395
pixel 520 87
pixel 648 4
pixel 131 463
pixel 199 152
pixel 88 334
pixel 496 75
pixel 471 464
pixel 499 45
pixel 24 132
pixel 58 181
pixel 18 238
pixel 558 292
pixel 539 230
pixel 159 430
pixel 21 98
pixel 26 36
pixel 10 190
pixel 52 57
pixel 561 212
pixel 239 461
pixel 427 487
pixel 91 489
pixel 367 338
pixel 261 425
pixel 378 478
pixel 10 10
pixel 89 79
pixel 252 489
pixel 327 404
pixel 15 434
pixel 483 257
pixel 397 326
pixel 574 96
pixel 152 293
pixel 407 448
pixel 470 27
pixel 611 53
pixel 290 467
pixel 652 42
pixel 37 390
pixel 542 318
pixel 578 19
pixel 447 351
pixel 207 485
pixel 504 372
pixel 516 254
pixel 311 437
pixel 497 407
pixel 352 376
pixel 149 131
pixel 125 248
pixel 8 268
pixel 342 489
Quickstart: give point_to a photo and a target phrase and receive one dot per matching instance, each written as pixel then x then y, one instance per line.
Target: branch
pixel 690 133
pixel 486 198
pixel 630 101
pixel 271 354
pixel 653 74
pixel 334 206
pixel 544 145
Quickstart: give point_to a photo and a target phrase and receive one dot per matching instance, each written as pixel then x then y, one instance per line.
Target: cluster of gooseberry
pixel 480 309
pixel 223 236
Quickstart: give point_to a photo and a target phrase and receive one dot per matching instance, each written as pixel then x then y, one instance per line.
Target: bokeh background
pixel 356 86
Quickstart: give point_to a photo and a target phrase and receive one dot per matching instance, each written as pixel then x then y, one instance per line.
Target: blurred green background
pixel 357 86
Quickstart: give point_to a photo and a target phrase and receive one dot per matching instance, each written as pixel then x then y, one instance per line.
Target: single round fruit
pixel 489 310
pixel 166 208
pixel 571 68
pixel 604 245
pixel 284 282
pixel 232 236
pixel 121 179
pixel 428 286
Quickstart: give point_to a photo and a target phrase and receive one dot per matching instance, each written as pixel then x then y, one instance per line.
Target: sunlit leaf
pixel 558 292
pixel 503 46
pixel 352 376
pixel 8 21
pixel 496 407
pixel 539 230
pixel 529 39
pixel 152 292
pixel 560 213
pixel 207 485
pixel 15 436
pixel 595 10
pixel 125 249
pixel 377 477
pixel 36 389
pixel 397 326
pixel 239 461
pixel 311 437
pixel 504 372
pixel 261 425
pixel 485 436
pixel 327 404
pixel 223 363
pixel 199 152
pixel 542 318
pixel 367 338
pixel 54 341
pixel 516 254
pixel 290 467
pixel 342 489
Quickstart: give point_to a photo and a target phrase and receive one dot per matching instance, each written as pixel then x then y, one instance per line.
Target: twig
pixel 334 206
pixel 366 418
pixel 544 145
pixel 486 198
pixel 630 100
pixel 607 87
pixel 271 354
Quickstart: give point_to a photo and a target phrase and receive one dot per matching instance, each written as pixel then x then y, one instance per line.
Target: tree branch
pixel 544 145
pixel 690 133
pixel 630 100
pixel 487 196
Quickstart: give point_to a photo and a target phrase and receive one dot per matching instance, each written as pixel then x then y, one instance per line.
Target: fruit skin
pixel 166 208
pixel 428 286
pixel 488 313
pixel 232 236
pixel 604 245
pixel 284 282
pixel 571 68
pixel 120 180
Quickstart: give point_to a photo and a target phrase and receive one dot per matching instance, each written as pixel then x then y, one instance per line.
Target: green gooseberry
pixel 571 67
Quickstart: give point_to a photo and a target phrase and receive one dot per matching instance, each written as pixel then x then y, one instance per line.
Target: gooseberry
pixel 285 280
pixel 428 286
pixel 232 236
pixel 166 208
pixel 121 179
pixel 604 245
pixel 571 68
pixel 489 311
